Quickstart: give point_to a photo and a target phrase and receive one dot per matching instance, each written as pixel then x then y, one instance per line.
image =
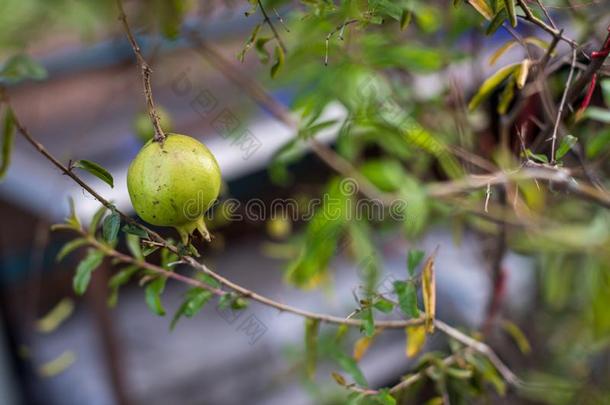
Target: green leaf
pixel 482 7
pixel 111 226
pixel 405 18
pixel 22 67
pixel 598 144
pixel 414 258
pixel 242 54
pixel 490 84
pixel 518 336
pixel 598 114
pixel 512 14
pixel 384 397
pixel 70 247
pixel 506 97
pixel 95 221
pixel 153 295
pixel 350 366
pixel 133 244
pixel 8 134
pixel 605 85
pixel 407 298
pixel 384 305
pixel 312 327
pixel 84 269
pixel 96 170
pixel 496 22
pixel 194 301
pixel 261 50
pixel 368 325
pixel 72 219
pixel 279 61
pixel 135 230
pixel 567 143
pixel 119 279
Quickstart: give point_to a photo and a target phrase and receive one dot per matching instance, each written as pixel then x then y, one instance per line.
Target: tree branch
pixel 146 73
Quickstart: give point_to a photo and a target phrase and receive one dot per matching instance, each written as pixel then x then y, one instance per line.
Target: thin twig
pixel 561 106
pixel 536 21
pixel 546 13
pixel 270 24
pixel 146 73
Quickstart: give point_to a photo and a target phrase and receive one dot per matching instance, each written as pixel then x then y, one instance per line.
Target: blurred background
pixel 57 348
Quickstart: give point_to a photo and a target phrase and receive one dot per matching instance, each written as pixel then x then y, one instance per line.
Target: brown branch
pixel 562 106
pixel 146 73
pixel 392 324
pixel 596 64
pixel 536 21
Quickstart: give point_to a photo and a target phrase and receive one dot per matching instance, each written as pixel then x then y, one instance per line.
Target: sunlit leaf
pixel 429 292
pixel 490 85
pixel 416 338
pixel 512 14
pixel 567 143
pixel 522 73
pixel 361 347
pixel 483 8
pixel 55 316
pixel 518 336
pixel 58 365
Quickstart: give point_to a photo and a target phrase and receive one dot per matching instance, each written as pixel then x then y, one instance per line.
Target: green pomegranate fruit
pixel 174 184
pixel 143 126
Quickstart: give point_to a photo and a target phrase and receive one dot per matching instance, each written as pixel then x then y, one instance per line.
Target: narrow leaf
pixel 70 247
pixel 416 338
pixel 518 336
pixel 194 301
pixel 490 84
pixel 135 230
pixel 311 343
pixel 405 18
pixel 501 51
pixel 95 221
pixel 522 73
pixel 133 244
pixel 512 14
pixel 8 134
pixel 55 316
pixel 110 227
pixel 96 170
pixel 362 346
pixel 482 7
pixel 119 279
pixel 350 366
pixel 567 143
pixel 84 269
pixel 407 298
pixel 279 61
pixel 414 258
pixel 153 295
pixel 429 292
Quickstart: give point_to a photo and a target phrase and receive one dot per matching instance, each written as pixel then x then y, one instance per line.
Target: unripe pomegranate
pixel 174 183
